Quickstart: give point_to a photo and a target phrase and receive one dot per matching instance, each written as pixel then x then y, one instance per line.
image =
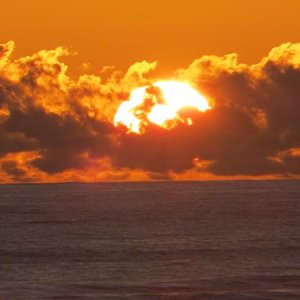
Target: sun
pixel 160 104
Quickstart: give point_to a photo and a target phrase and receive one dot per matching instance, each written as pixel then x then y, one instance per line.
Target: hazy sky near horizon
pixel 174 33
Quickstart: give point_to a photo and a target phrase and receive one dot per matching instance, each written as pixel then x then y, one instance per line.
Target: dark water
pixel 206 240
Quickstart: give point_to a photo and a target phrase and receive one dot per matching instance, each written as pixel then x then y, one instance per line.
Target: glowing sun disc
pixel 159 104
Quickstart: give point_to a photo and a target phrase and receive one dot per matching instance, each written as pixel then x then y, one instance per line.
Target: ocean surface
pixel 162 240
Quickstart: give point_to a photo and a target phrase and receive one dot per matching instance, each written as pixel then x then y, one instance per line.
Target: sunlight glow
pixel 159 104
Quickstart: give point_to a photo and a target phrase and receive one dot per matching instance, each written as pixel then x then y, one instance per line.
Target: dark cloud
pixel 253 128
pixel 12 168
pixel 255 117
pixel 61 139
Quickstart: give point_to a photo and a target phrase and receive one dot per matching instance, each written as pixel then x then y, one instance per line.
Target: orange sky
pixel 120 32
pixel 55 126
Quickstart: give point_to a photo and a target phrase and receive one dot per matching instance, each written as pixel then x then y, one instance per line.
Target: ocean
pixel 156 240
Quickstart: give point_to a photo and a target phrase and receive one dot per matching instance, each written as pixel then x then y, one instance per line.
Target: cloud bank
pixel 57 128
